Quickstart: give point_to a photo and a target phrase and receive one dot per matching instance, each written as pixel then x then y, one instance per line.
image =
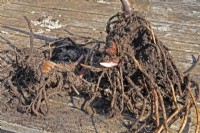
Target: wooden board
pixel 176 23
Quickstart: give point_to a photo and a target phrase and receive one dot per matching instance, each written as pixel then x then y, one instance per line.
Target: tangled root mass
pixel 145 83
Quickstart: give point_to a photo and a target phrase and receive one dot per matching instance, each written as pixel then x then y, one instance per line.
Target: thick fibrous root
pixel 145 72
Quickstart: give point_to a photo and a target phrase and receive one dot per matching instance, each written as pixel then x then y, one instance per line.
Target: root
pixel 192 67
pixel 146 68
pixel 196 108
pixel 156 108
pixel 185 118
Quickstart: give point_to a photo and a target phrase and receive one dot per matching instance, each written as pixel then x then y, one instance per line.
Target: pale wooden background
pixel 175 22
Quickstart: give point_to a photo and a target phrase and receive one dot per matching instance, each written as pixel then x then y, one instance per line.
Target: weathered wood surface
pixel 176 23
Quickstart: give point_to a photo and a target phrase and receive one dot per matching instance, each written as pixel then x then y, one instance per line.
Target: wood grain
pixel 176 24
